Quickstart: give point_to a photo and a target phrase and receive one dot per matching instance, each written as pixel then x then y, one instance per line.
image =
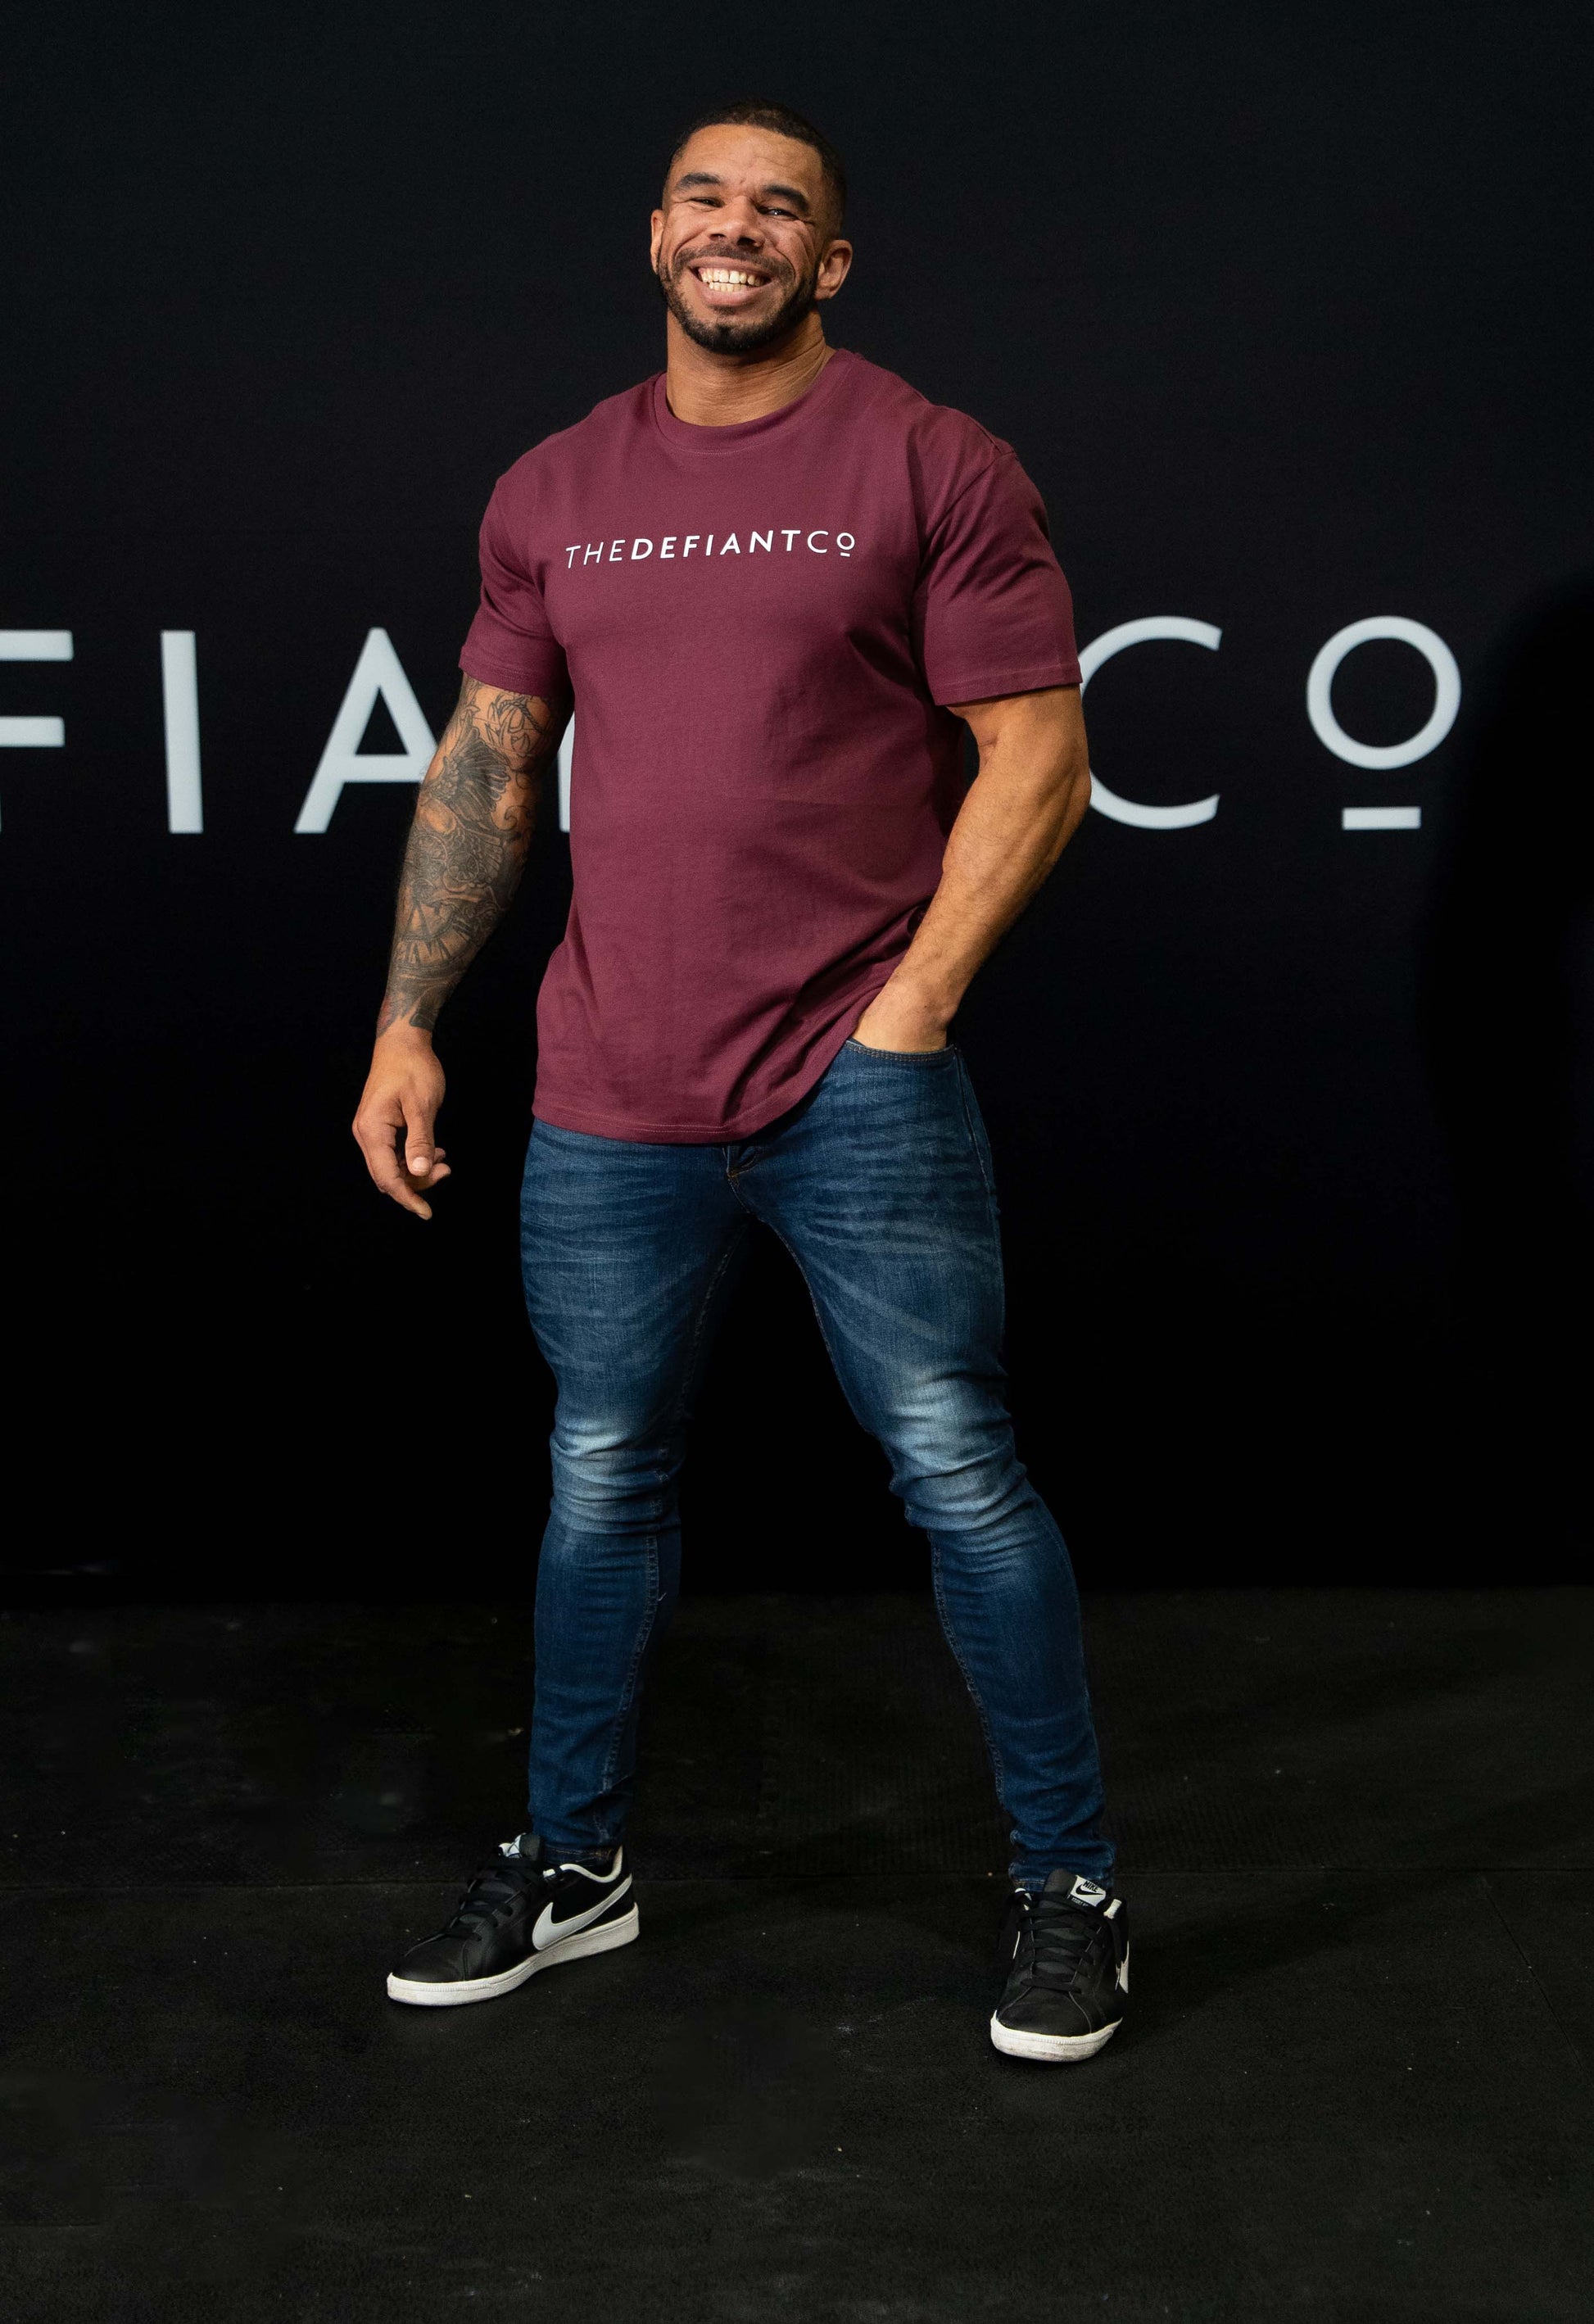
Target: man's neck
pixel 714 391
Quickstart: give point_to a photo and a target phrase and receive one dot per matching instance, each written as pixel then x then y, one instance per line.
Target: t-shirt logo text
pixel 819 543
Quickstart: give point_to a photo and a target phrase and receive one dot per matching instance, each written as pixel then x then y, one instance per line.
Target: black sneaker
pixel 520 1913
pixel 1066 1954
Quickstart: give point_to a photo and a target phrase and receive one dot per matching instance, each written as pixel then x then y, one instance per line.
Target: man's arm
pixel 467 850
pixel 1022 809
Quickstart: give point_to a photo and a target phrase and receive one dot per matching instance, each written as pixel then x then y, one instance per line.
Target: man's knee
pixel 955 1466
pixel 608 1479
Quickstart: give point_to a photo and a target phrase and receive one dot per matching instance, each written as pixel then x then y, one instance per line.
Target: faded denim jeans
pixel 879 1183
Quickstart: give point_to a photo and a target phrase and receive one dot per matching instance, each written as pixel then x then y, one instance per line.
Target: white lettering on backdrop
pixel 567 758
pixel 380 676
pixel 378 673
pixel 180 698
pixel 34 645
pixel 1102 649
pixel 1319 709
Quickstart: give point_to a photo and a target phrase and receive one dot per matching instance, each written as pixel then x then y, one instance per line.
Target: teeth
pixel 725 278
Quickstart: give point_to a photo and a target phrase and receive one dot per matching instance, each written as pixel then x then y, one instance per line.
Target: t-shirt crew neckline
pixel 690 436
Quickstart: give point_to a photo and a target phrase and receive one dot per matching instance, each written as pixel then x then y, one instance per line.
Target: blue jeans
pixel 879 1183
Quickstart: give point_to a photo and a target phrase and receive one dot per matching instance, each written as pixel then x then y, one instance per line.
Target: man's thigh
pixel 622 1248
pixel 881 1189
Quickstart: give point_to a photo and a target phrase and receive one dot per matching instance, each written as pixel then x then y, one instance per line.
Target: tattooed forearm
pixel 468 845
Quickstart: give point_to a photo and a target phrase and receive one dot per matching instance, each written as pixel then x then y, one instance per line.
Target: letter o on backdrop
pixel 1447 692
pixel 1153 627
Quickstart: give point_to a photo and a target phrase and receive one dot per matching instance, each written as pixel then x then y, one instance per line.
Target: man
pixel 774 580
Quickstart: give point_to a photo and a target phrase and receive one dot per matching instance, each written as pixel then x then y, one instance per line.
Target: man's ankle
pixel 1093 1888
pixel 591 1860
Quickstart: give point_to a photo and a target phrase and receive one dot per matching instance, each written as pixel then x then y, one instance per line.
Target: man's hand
pixel 899 1019
pixel 398 1111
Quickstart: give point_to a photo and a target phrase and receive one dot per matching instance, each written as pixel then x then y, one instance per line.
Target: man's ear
pixel 655 234
pixel 834 268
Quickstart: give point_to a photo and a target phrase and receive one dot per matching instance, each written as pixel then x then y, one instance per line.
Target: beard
pixel 735 338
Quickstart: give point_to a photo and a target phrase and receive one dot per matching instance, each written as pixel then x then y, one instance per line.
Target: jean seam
pixel 705 1308
pixel 644 1637
pixel 964 1089
pixel 629 1691
pixel 997 1767
pixel 819 1319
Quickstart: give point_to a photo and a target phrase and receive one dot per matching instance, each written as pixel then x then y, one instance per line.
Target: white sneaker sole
pixel 1050 2049
pixel 425 1995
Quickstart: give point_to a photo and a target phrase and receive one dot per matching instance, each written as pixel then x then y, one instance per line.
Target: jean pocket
pixel 904 1056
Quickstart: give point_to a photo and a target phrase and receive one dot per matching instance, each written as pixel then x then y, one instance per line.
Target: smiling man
pixel 776 584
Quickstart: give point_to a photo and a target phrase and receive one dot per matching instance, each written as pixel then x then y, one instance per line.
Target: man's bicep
pixel 519 730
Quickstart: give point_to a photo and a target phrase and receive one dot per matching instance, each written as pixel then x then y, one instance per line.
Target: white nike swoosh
pixel 1123 1971
pixel 548 1932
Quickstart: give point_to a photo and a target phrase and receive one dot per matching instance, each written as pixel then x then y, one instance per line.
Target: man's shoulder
pixel 577 444
pixel 945 448
pixel 899 400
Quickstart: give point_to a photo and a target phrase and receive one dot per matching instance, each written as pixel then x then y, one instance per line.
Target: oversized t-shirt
pixel 759 626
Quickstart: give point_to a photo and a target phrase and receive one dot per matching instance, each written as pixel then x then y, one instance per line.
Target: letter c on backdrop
pixel 1102 649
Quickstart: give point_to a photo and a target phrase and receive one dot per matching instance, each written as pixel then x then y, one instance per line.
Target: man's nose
pixel 740 222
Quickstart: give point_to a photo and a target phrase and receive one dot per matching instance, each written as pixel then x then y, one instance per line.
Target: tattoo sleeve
pixel 468 845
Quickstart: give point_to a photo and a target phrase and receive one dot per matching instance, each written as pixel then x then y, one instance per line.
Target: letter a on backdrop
pixel 378 672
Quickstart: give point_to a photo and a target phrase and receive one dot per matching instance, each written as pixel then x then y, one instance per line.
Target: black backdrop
pixel 1285 312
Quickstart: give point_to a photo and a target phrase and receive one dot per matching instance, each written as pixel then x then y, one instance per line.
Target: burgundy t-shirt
pixel 759 626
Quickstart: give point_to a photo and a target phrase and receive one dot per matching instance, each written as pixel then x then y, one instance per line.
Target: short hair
pixel 757 112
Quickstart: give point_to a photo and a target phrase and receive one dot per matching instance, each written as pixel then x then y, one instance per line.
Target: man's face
pixel 743 247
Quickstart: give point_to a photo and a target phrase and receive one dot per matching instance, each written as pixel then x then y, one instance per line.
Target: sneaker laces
pixel 490 1892
pixel 1060 1936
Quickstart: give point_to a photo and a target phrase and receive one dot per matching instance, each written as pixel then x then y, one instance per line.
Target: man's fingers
pixel 375 1141
pixel 379 1141
pixel 374 1138
pixel 382 1162
pixel 392 1173
pixel 420 1152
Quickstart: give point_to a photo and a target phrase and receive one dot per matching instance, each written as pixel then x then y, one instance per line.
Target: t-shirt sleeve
pixel 511 642
pixel 993 613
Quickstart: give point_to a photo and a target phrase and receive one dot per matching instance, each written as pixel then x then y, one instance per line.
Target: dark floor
pixel 1358 1834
